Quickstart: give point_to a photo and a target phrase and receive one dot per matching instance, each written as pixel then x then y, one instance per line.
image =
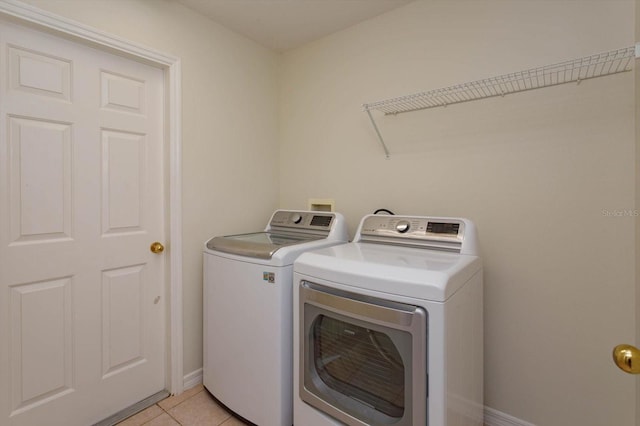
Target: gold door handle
pixel 156 248
pixel 627 358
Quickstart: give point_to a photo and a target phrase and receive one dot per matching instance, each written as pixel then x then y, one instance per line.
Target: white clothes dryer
pixel 388 329
pixel 248 312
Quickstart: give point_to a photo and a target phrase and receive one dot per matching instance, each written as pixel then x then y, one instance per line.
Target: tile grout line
pixel 177 405
pixel 162 410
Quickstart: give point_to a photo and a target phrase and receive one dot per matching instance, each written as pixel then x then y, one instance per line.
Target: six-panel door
pixel 82 309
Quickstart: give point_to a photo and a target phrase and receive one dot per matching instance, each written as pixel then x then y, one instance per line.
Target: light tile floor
pixel 194 407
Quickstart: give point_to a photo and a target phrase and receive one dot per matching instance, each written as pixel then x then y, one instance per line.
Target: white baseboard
pixel 496 418
pixel 193 379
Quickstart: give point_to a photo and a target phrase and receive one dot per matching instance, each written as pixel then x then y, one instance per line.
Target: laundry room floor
pixel 194 407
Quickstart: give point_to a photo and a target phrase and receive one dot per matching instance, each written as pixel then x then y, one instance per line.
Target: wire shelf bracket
pixel 575 70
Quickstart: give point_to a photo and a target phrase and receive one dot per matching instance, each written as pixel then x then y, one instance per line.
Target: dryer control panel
pixel 437 233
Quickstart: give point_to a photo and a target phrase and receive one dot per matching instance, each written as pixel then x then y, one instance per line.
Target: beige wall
pixel 542 173
pixel 229 87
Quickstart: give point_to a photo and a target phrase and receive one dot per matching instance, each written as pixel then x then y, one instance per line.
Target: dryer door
pixel 364 359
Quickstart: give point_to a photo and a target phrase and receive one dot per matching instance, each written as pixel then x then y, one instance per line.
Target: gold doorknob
pixel 156 248
pixel 627 358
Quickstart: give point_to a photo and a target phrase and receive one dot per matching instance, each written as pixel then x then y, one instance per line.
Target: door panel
pixel 40 342
pixel 39 73
pixel 122 93
pixel 81 184
pixel 122 322
pixel 123 175
pixel 40 167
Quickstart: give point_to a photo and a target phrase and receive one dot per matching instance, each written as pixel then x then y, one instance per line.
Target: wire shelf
pixel 575 70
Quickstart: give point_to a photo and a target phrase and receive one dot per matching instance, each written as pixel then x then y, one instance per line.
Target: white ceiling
pixel 285 24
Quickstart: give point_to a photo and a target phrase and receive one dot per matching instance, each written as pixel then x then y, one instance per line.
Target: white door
pixel 82 298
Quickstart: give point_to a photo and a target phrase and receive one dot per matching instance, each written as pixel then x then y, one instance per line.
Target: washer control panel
pixel 302 220
pixel 437 233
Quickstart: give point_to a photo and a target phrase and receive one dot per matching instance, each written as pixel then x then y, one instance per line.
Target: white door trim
pixel 172 67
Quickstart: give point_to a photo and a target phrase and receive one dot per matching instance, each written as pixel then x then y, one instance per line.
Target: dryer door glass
pixel 360 363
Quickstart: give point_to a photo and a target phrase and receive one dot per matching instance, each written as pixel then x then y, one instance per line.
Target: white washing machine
pixel 388 329
pixel 248 312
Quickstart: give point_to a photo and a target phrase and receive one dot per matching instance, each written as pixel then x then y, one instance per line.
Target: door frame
pixel 171 66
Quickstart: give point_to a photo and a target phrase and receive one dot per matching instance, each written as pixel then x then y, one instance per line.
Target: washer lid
pixel 261 245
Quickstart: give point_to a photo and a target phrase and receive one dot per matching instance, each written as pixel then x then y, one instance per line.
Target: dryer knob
pixel 403 226
pixel 296 218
